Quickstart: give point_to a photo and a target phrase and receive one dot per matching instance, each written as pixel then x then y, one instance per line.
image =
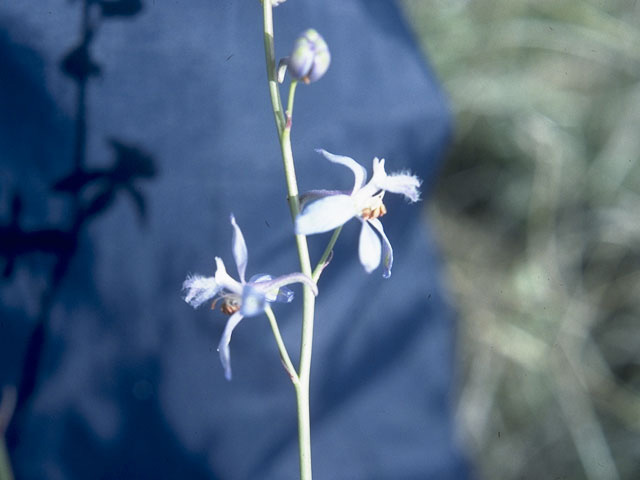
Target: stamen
pixel 230 305
pixel 375 208
pixel 213 304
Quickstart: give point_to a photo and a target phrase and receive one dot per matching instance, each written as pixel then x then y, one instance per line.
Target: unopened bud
pixel 310 57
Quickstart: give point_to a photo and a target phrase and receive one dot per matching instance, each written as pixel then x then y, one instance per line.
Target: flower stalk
pixel 326 256
pixel 283 126
pixel 284 354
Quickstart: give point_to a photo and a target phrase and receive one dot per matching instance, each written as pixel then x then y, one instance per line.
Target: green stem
pixel 284 355
pixel 292 94
pixel 283 126
pixel 8 398
pixel 5 468
pixel 327 251
pixel 290 171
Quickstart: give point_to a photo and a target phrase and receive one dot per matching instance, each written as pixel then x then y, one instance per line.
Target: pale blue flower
pixel 239 299
pixel 324 210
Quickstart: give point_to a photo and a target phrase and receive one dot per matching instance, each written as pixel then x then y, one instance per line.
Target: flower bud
pixel 310 57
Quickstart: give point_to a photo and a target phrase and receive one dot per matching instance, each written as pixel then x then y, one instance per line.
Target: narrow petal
pixel 239 249
pixel 199 289
pixel 387 251
pixel 279 282
pixel 369 248
pixel 325 214
pixel 359 172
pixel 223 346
pixel 253 301
pixel 224 280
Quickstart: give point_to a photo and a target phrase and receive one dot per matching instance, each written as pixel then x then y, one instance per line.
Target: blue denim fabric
pixel 126 381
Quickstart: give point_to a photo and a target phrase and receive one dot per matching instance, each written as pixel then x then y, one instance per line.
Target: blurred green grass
pixel 538 212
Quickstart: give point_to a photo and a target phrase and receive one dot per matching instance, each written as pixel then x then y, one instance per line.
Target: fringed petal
pixel 199 289
pixel 403 183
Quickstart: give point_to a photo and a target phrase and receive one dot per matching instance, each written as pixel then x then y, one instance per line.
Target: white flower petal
pixel 373 187
pixel 223 346
pixel 313 195
pixel 402 182
pixel 359 172
pixel 387 251
pixel 278 283
pixel 253 301
pixel 325 214
pixel 239 249
pixel 199 289
pixel 224 280
pixel 369 248
pixel 260 277
pixel 378 168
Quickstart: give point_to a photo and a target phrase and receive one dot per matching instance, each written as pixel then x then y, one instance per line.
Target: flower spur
pixel 324 210
pixel 239 299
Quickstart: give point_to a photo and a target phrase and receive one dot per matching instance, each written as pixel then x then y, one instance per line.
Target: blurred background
pixel 537 212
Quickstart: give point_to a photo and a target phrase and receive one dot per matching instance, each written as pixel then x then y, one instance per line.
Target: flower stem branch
pixel 284 133
pixel 289 112
pixel 8 397
pixel 327 252
pixel 5 469
pixel 284 355
pixel 290 170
